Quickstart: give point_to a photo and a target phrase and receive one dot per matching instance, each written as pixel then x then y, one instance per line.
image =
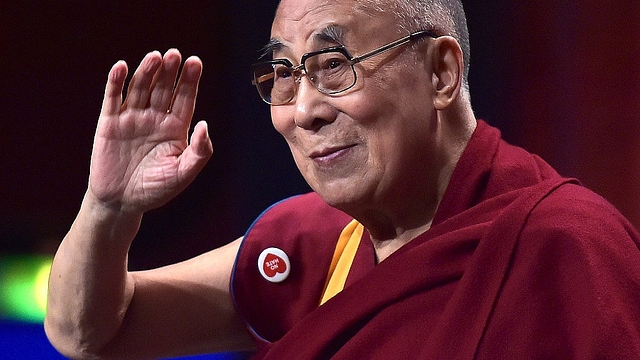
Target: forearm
pixel 142 158
pixel 89 287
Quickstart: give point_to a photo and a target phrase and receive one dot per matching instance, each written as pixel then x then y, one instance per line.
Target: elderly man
pixel 426 236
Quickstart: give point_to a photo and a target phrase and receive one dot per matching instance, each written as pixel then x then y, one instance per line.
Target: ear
pixel 447 64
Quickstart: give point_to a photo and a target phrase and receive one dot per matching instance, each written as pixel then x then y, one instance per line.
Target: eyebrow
pixel 332 33
pixel 272 46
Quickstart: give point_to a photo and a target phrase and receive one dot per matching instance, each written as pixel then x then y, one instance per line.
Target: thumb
pixel 196 155
pixel 200 140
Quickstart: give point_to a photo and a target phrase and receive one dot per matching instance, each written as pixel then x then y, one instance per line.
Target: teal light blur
pixel 23 287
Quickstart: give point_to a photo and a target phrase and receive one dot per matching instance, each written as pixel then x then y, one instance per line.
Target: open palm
pixel 141 155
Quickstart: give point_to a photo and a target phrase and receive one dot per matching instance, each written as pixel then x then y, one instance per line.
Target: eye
pixel 334 63
pixel 283 72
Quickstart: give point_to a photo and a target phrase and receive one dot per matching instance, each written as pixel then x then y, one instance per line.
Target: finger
pixel 184 98
pixel 165 81
pixel 201 141
pixel 139 87
pixel 113 91
pixel 196 155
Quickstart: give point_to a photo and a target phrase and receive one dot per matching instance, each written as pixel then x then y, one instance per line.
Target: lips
pixel 327 153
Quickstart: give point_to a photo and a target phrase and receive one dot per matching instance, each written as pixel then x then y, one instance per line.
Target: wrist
pixel 110 221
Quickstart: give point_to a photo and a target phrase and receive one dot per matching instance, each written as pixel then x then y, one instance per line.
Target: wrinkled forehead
pixel 316 23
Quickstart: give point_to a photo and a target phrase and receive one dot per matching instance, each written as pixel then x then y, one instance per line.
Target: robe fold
pixel 519 263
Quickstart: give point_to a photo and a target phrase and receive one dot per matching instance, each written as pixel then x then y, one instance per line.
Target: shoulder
pixel 578 226
pixel 580 246
pixel 305 207
pixel 297 216
pixel 303 230
pixel 575 271
pixel 573 211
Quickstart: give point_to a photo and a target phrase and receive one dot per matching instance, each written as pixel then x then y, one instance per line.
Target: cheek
pixel 397 118
pixel 282 119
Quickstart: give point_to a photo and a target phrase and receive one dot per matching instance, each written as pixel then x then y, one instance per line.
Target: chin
pixel 345 198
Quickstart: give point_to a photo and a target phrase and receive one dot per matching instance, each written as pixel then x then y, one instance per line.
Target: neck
pixel 409 210
pixel 396 222
pixel 385 247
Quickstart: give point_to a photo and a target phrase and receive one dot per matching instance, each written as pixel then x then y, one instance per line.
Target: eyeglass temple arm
pixel 262 78
pixel 269 76
pixel 392 45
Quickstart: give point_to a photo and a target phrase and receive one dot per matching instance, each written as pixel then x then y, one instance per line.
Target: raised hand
pixel 141 155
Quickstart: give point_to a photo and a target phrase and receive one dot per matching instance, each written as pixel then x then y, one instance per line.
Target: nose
pixel 312 111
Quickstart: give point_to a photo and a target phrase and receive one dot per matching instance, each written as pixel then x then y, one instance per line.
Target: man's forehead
pixel 296 10
pixel 308 16
pixel 320 22
pixel 299 7
pixel 332 34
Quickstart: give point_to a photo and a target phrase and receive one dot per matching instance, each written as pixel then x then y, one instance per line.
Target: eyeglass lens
pixel 330 72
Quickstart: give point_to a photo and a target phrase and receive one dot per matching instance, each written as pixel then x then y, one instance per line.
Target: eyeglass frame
pixel 298 70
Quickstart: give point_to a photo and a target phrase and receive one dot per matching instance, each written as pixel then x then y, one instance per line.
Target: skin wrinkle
pixel 335 34
pixel 332 35
pixel 440 19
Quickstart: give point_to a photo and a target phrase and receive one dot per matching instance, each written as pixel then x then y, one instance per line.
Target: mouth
pixel 325 155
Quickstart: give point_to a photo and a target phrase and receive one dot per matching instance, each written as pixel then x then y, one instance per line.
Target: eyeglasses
pixel 330 70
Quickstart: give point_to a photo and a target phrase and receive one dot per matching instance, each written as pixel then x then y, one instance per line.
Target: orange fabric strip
pixel 342 259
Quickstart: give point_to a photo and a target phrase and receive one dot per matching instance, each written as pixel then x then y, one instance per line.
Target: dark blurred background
pixel 559 77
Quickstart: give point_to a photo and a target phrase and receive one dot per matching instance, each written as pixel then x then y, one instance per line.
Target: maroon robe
pixel 519 263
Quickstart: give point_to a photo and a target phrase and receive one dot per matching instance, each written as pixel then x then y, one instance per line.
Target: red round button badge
pixel 274 265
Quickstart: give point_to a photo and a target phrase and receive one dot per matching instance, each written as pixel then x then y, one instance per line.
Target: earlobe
pixel 447 62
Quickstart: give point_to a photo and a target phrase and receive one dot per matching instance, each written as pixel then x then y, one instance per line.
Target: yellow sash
pixel 342 259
